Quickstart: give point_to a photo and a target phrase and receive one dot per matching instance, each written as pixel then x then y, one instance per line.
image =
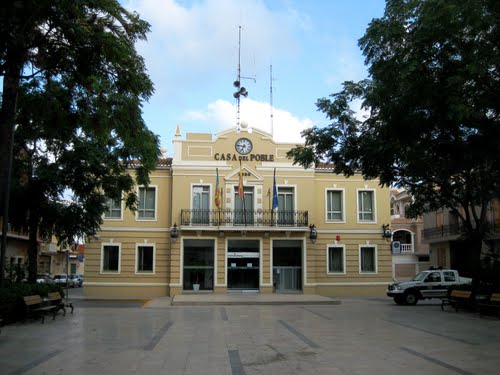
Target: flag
pixel 240 184
pixel 217 190
pixel 275 192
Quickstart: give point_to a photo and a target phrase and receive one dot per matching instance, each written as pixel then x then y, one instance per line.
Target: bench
pixel 493 303
pixel 456 298
pixel 35 305
pixel 56 299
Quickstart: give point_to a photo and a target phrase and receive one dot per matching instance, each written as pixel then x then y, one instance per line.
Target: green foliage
pixel 11 305
pixel 15 273
pixel 79 83
pixel 432 107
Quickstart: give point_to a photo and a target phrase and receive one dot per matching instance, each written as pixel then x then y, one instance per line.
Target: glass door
pixel 201 205
pixel 243 210
pixel 287 266
pixel 243 259
pixel 285 206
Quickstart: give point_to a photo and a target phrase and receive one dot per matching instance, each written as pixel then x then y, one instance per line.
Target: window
pixel 449 276
pixel 285 206
pixel 243 212
pixel 434 277
pixel 110 258
pixel 147 203
pixel 334 205
pixel 365 205
pixel 367 259
pixel 113 209
pixel 201 205
pixel 145 257
pixel 336 259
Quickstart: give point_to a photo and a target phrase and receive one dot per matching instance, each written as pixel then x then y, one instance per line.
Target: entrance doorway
pixel 198 271
pixel 287 266
pixel 243 257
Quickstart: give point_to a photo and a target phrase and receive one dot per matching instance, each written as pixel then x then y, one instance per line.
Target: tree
pixel 73 85
pixel 431 107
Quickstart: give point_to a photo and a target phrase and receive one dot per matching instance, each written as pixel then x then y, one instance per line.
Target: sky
pixel 192 56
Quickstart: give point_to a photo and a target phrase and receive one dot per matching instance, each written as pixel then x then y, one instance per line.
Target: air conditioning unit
pixel 396 247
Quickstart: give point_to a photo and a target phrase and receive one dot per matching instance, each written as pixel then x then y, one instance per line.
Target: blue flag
pixel 275 192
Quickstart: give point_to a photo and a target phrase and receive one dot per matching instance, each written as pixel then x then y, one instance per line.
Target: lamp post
pixel 313 234
pixel 174 234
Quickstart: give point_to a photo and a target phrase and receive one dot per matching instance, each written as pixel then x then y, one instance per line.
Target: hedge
pixel 12 307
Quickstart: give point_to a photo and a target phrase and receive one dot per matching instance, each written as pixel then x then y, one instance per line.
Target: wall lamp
pixel 386 231
pixel 174 233
pixel 313 233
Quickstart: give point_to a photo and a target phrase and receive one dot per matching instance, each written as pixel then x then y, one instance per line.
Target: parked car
pixel 77 281
pixel 61 279
pixel 81 279
pixel 432 283
pixel 44 278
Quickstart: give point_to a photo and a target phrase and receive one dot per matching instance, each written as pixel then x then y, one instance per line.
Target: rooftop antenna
pixel 241 91
pixel 271 97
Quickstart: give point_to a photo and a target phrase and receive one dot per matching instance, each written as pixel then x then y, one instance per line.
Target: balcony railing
pixel 255 218
pixel 441 231
pixel 406 248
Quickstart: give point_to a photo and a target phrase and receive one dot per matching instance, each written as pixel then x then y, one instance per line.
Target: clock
pixel 243 146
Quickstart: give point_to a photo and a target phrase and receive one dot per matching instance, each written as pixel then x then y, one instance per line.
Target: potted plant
pixel 197 273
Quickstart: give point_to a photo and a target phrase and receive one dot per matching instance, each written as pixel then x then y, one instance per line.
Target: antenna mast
pixel 241 90
pixel 271 97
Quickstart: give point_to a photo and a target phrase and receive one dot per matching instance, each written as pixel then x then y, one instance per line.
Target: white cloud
pixel 193 46
pixel 286 127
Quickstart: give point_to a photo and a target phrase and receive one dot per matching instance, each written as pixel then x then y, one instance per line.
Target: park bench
pixel 492 304
pixel 35 305
pixel 456 298
pixel 56 299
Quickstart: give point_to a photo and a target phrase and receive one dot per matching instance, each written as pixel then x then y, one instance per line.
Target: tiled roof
pixel 162 163
pixel 324 167
pixel 403 220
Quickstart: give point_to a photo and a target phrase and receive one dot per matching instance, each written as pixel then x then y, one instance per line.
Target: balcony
pixel 238 218
pixel 406 248
pixel 441 231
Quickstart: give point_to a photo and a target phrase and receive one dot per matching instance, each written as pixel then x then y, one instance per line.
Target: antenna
pixel 241 90
pixel 271 97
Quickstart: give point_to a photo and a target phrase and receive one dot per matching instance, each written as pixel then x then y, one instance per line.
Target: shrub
pixel 12 306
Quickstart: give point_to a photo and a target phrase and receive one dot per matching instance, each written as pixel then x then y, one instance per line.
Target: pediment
pixel 248 174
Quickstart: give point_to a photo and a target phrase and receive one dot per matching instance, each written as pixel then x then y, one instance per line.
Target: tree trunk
pixel 33 250
pixel 7 121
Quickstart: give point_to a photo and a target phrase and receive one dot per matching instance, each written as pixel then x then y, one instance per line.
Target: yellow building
pixel 281 229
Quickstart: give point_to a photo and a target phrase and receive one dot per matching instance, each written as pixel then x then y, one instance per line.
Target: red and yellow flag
pixel 217 190
pixel 240 184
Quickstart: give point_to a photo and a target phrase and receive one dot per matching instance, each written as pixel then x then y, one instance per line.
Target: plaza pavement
pixel 249 334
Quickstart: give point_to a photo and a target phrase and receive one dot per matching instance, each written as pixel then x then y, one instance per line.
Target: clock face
pixel 243 146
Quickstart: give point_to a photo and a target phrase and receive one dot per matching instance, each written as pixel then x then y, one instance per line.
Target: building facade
pixel 442 232
pixel 409 254
pixel 232 213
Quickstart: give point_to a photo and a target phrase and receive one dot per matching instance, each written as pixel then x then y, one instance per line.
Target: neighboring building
pixel 442 233
pixel 16 254
pixel 69 260
pixel 49 258
pixel 325 236
pixel 409 254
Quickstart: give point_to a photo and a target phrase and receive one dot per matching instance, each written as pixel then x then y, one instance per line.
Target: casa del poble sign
pixel 250 157
pixel 243 147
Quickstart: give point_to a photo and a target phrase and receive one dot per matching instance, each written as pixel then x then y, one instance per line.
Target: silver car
pixel 61 279
pixel 76 279
pixel 44 279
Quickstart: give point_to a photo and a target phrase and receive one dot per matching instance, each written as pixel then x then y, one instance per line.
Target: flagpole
pixel 244 205
pixel 272 205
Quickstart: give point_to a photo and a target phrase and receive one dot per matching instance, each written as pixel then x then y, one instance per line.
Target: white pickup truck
pixel 433 283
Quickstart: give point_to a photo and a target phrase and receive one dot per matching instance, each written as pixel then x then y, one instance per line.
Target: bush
pixel 12 307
